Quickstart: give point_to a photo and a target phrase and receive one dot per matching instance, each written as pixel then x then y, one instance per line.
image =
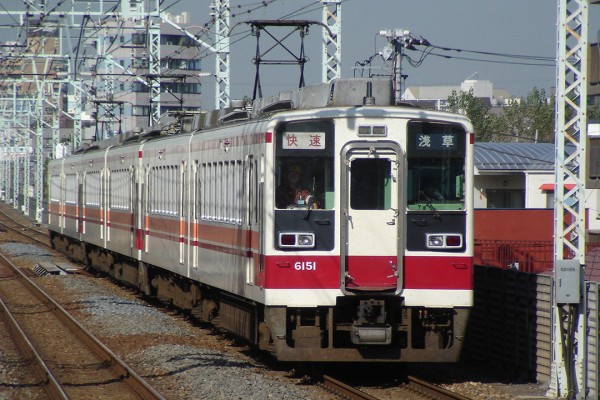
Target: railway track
pixel 66 360
pixel 415 389
pixel 29 230
pixel 343 390
pixel 432 391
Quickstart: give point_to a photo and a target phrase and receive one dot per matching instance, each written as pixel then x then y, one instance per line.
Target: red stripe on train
pixel 323 272
pixel 426 272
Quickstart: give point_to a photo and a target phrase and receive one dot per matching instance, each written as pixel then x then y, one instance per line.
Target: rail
pixel 121 371
pixel 29 231
pixel 342 389
pixel 51 386
pixel 433 391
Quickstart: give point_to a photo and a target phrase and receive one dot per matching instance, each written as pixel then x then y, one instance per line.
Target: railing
pixel 524 256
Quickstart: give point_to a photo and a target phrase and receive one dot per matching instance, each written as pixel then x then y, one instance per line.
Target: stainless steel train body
pixel 363 263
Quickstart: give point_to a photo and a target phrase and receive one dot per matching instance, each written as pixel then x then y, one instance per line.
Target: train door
pixel 136 189
pixel 370 199
pixel 78 205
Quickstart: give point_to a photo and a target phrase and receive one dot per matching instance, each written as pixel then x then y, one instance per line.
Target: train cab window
pixel 436 160
pixel 304 161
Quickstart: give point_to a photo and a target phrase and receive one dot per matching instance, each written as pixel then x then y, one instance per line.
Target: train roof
pixel 342 92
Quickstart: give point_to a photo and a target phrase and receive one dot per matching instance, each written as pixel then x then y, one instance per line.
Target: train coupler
pixel 370 326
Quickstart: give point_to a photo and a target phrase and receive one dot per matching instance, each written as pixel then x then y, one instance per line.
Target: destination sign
pixel 304 140
pixel 436 141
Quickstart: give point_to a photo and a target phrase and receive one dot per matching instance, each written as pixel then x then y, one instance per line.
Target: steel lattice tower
pixel 332 40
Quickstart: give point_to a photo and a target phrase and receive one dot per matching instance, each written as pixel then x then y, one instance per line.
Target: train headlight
pixel 301 240
pixel 435 241
pixel 444 241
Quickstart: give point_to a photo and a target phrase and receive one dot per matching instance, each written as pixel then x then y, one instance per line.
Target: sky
pixel 509 27
pixel 516 27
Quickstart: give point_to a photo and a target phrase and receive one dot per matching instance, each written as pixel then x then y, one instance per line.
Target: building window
pixel 140 63
pixel 177 63
pixel 505 198
pixel 185 88
pixel 138 87
pixel 138 38
pixel 143 111
pixel 176 40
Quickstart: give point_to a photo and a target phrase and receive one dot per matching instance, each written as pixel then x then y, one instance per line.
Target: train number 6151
pixel 305 266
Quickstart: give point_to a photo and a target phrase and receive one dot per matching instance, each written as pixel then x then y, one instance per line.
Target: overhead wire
pixel 495 54
pixel 493 61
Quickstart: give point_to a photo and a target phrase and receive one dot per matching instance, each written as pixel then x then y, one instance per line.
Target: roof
pixel 592 268
pixel 514 156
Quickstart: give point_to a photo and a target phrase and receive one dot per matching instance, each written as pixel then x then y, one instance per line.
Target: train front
pixel 368 243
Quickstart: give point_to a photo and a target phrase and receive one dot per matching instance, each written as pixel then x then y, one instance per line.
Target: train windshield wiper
pixel 429 204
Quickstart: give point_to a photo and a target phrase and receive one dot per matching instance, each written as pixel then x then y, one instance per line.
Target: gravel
pixel 25 250
pixel 181 360
pixel 217 375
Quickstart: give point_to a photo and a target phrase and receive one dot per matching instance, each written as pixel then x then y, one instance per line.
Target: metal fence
pixel 511 324
pixel 509 328
pixel 591 350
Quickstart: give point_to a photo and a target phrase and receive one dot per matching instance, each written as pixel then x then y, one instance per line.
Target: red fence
pixel 524 256
pixel 530 256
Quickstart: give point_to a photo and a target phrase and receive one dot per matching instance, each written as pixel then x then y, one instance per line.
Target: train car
pixel 322 224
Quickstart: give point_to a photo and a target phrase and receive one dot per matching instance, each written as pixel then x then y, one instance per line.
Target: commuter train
pixel 320 224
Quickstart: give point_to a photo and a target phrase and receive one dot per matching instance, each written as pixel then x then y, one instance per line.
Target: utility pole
pixel 569 336
pixel 398 40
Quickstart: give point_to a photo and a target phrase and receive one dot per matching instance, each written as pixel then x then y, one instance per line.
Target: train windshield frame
pixel 304 164
pixel 436 159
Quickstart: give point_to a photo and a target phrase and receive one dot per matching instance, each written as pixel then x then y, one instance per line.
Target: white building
pixel 521 175
pixel 438 95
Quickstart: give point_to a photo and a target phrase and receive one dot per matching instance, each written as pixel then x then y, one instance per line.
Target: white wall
pixel 534 196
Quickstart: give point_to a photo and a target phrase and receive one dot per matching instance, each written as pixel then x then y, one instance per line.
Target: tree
pixel 485 124
pixel 530 118
pixel 594 110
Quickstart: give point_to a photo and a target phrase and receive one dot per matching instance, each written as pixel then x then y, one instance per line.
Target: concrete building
pixel 437 96
pixel 121 78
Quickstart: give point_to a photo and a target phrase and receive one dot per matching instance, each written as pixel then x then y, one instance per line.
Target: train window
pixel 55 188
pixel 370 185
pixel 436 166
pixel 120 186
pixel 71 188
pixel 304 165
pixel 92 189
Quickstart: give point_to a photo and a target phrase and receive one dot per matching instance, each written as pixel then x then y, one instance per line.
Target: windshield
pixel 304 165
pixel 436 162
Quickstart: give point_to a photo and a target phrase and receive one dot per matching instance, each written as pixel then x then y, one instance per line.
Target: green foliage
pixel 484 123
pixel 527 119
pixel 594 110
pixel 530 118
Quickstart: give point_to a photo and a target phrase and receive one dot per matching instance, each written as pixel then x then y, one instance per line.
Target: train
pixel 322 224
